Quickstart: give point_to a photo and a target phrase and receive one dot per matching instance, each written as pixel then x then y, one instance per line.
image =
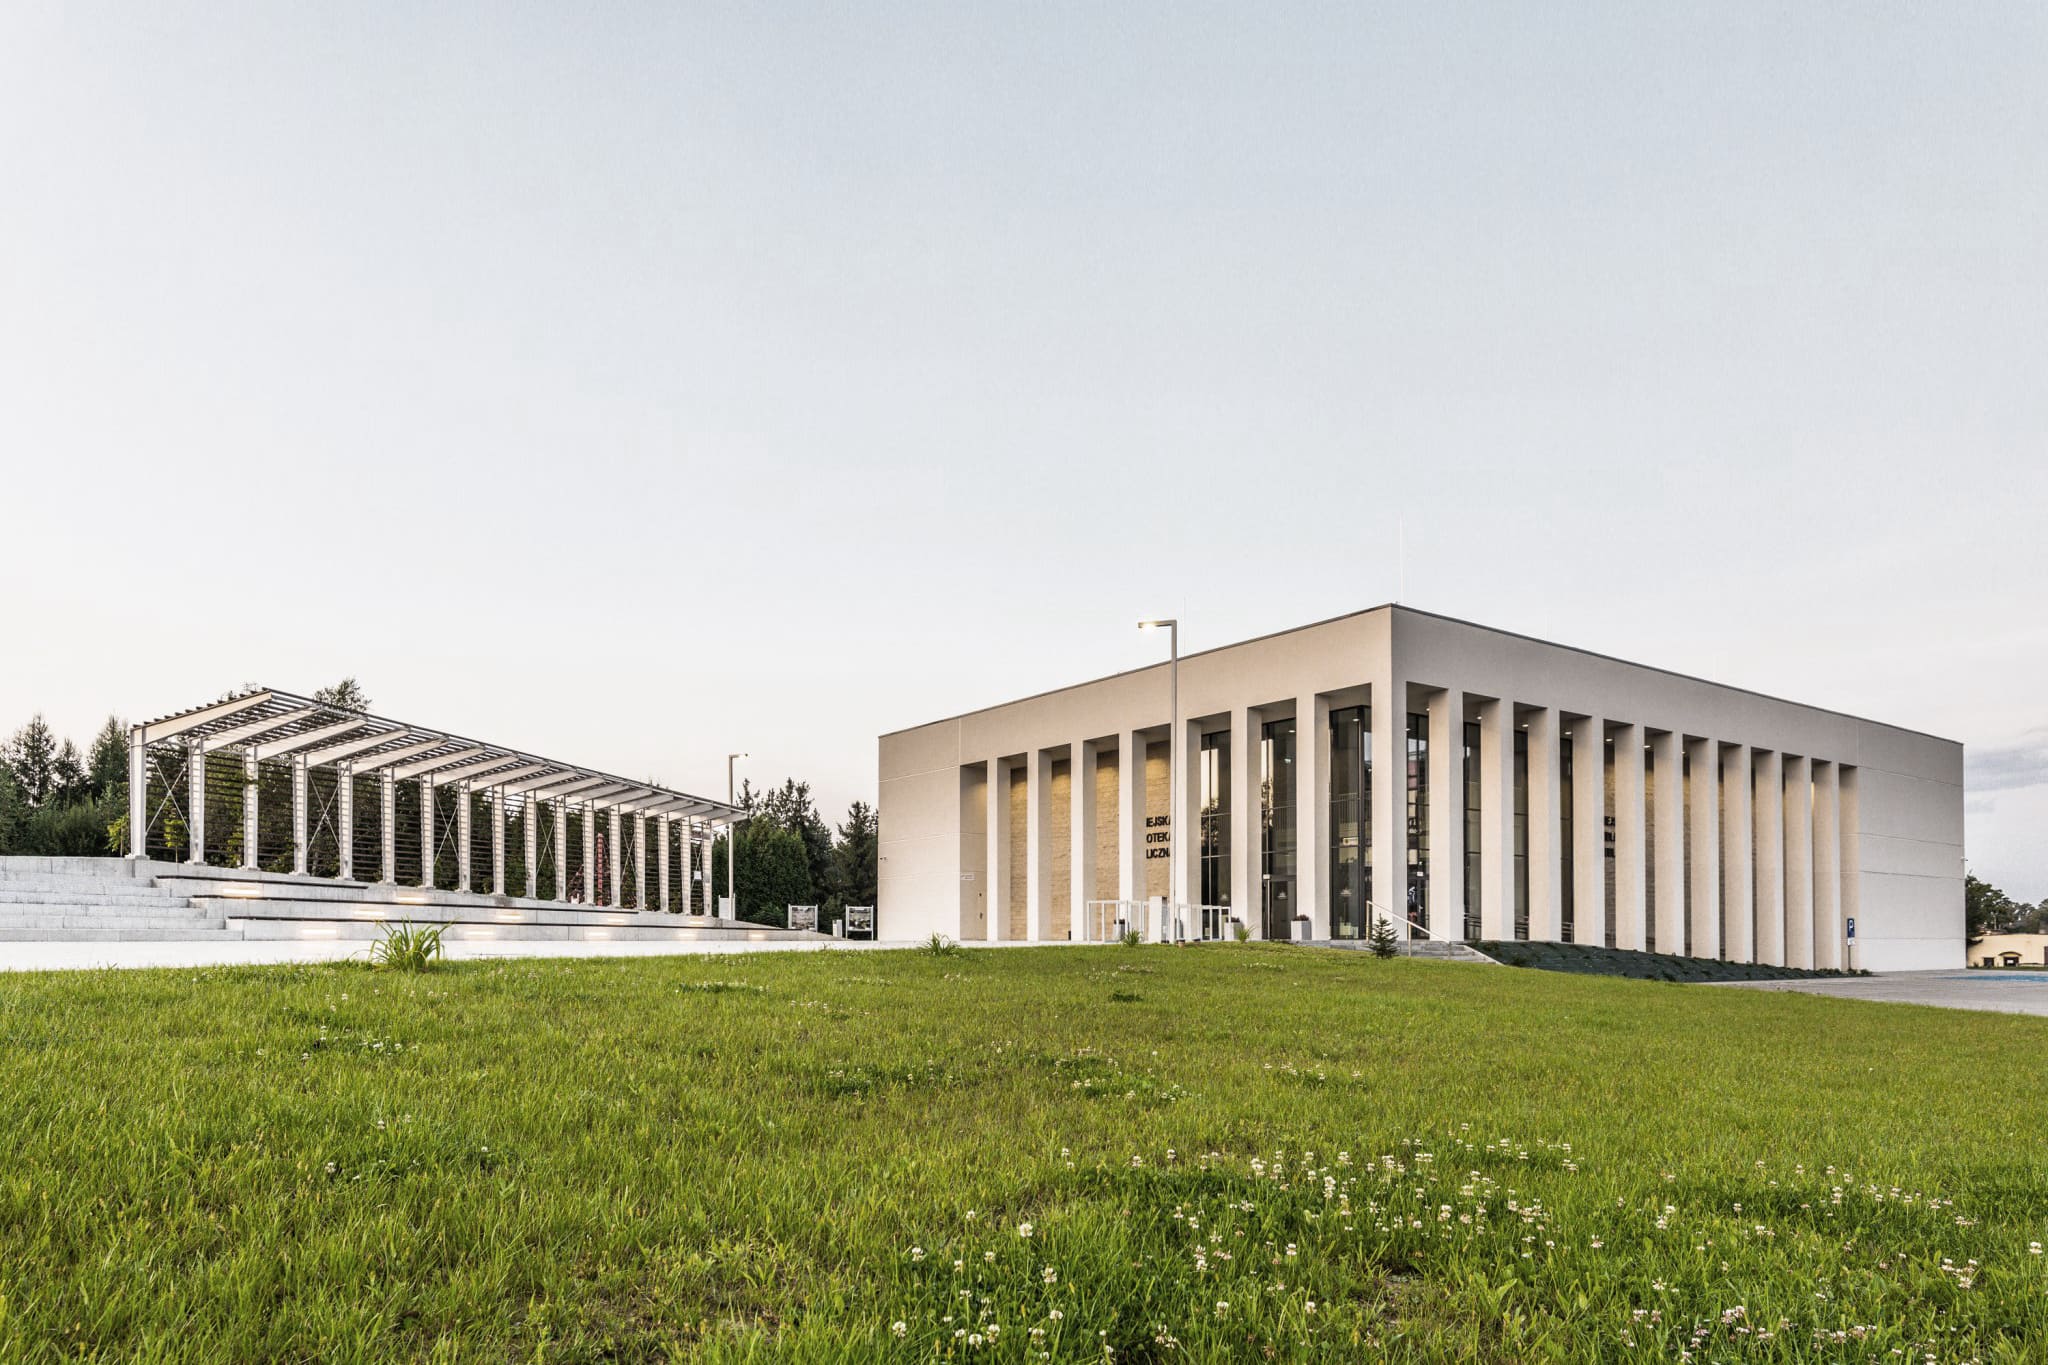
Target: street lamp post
pixel 1173 757
pixel 732 837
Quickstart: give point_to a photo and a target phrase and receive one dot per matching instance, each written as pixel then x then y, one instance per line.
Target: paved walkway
pixel 2005 992
pixel 74 956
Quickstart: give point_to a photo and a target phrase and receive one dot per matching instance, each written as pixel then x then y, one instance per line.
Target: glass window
pixel 1521 834
pixel 1276 828
pixel 1215 819
pixel 1564 815
pixel 1472 820
pixel 1350 821
pixel 1418 820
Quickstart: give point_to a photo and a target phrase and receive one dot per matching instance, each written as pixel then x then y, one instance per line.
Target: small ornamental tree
pixel 1381 940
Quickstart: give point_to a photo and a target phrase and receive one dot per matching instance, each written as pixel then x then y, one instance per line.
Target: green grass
pixel 785 1156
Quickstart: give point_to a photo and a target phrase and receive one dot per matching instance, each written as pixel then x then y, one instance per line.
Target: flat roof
pixel 1434 616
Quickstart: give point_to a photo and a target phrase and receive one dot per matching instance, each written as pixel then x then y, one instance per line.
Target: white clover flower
pixel 1023 1229
pixel 917 1253
pixel 1055 1315
pixel 900 1328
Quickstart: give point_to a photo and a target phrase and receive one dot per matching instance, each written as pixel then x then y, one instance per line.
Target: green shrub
pixel 938 945
pixel 407 947
pixel 1132 938
pixel 78 830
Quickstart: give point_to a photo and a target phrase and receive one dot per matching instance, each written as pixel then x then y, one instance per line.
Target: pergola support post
pixel 195 801
pixel 590 853
pixel 640 861
pixel 138 793
pixel 661 879
pixel 427 833
pixel 387 799
pixel 299 816
pixel 529 826
pixel 463 831
pixel 345 821
pixel 612 860
pixel 561 850
pixel 251 777
pixel 497 844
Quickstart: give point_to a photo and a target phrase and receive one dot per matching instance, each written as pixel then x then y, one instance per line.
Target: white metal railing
pixel 1107 921
pixel 1157 921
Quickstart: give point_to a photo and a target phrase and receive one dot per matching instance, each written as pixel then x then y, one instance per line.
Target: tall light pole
pixel 1173 803
pixel 732 837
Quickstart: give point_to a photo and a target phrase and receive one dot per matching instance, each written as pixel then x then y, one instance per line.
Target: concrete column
pixel 1703 820
pixel 661 838
pixel 251 776
pixel 590 877
pixel 464 828
pixel 1769 822
pixel 1247 862
pixel 1738 849
pixel 1827 867
pixel 1390 798
pixel 345 820
pixel 1130 826
pixel 427 832
pixel 998 849
pixel 614 857
pixel 138 793
pixel 1081 814
pixel 1589 830
pixel 1668 870
pixel 562 851
pixel 1631 871
pixel 1798 862
pixel 1850 816
pixel 497 843
pixel 1447 814
pixel 1546 827
pixel 1312 811
pixel 529 828
pixel 387 818
pixel 1497 820
pixel 1037 844
pixel 299 804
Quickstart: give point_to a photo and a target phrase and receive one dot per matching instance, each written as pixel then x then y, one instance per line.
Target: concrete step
pixel 89 867
pixel 116 936
pixel 18 917
pixel 370 930
pixel 11 894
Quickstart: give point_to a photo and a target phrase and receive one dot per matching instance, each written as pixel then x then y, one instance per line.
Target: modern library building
pixel 1459 782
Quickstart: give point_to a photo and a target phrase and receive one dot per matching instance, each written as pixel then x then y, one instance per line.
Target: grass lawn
pixel 1230 1152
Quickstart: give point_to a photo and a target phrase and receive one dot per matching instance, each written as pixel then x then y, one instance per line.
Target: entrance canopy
pixel 272 781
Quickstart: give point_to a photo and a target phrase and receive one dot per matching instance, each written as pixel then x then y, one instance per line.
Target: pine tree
pixel 346 695
pixel 854 859
pixel 1381 940
pixel 33 755
pixel 106 763
pixel 13 811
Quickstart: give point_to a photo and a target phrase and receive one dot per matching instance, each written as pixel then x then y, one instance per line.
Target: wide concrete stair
pixel 98 900
pixel 1428 949
pixel 88 900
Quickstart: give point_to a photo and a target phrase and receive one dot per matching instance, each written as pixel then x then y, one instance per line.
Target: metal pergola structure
pixel 271 781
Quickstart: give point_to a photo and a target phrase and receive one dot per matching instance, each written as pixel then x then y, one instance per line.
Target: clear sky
pixel 639 383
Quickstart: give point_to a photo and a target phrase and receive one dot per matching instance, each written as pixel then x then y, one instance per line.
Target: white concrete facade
pixel 1717 823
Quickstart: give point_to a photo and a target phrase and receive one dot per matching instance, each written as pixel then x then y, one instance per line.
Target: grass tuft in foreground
pixel 1213 1153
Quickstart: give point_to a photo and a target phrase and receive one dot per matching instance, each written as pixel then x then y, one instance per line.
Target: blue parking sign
pixel 1852 928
